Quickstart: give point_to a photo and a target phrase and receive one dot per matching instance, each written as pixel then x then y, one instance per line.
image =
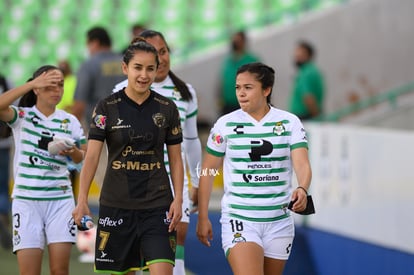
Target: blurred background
pixel 360 146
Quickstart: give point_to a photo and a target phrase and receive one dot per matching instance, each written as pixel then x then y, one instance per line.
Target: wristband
pixel 303 188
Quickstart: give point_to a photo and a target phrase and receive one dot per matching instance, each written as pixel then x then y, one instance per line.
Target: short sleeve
pixel 174 132
pixel 298 138
pixel 97 129
pixel 216 142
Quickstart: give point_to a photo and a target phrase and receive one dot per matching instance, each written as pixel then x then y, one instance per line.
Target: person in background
pixel 308 89
pixel 5 147
pixel 184 96
pixel 66 104
pixel 97 74
pixel 239 55
pixel 136 29
pixel 43 201
pixel 260 146
pixel 138 211
pixel 70 85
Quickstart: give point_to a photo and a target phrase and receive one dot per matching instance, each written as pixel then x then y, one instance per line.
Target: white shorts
pixel 36 223
pixel 274 237
pixel 186 204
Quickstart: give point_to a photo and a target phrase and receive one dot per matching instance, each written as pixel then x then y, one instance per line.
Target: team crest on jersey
pixel 173 243
pixel 64 125
pixel 21 113
pixel 217 139
pixel 176 130
pixel 16 237
pixel 279 128
pixel 176 94
pixel 100 121
pixel 238 238
pixel 159 119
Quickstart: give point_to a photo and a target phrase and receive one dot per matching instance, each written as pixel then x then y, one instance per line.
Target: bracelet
pixel 303 188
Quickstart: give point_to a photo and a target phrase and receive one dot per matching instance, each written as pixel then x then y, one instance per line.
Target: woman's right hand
pixel 204 231
pixel 80 210
pixel 47 79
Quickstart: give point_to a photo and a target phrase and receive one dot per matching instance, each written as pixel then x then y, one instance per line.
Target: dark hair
pixel 179 84
pixel 242 34
pixel 100 34
pixel 139 44
pixel 29 99
pixel 308 47
pixel 264 74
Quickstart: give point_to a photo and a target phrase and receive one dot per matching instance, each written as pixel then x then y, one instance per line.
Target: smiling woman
pixel 136 123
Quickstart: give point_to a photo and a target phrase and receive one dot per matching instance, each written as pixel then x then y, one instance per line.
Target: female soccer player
pixel 184 96
pixel 43 201
pixel 260 145
pixel 138 213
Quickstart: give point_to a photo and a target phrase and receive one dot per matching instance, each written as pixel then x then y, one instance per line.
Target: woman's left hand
pixel 299 196
pixel 174 214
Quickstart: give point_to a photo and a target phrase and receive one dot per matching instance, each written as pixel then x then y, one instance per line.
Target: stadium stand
pixel 37 32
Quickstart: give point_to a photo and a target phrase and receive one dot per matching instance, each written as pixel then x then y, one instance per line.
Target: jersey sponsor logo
pixel 107 221
pixel 305 136
pixel 248 178
pixel 279 128
pixel 37 161
pixel 164 102
pixel 176 130
pixel 259 149
pixel 217 139
pixel 119 125
pixel 44 140
pixel 128 151
pixel 115 101
pixel 35 120
pixel 136 165
pixel 239 129
pixel 159 119
pixel 100 121
pixel 238 238
pixel 259 166
pixel 148 136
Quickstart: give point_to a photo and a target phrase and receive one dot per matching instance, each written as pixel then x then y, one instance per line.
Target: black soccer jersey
pixel 136 177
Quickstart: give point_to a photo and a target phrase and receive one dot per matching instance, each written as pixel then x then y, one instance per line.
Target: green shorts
pixel 128 240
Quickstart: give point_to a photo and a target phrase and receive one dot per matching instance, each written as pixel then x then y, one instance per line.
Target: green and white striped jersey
pixel 39 175
pixel 257 168
pixel 187 110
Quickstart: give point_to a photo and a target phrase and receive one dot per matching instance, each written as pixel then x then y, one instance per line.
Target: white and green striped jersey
pixel 187 110
pixel 39 175
pixel 257 168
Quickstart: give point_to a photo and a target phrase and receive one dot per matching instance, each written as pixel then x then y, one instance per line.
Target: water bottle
pixel 86 223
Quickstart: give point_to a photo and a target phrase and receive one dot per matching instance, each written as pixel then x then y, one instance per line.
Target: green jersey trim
pixel 263 184
pixel 273 219
pixel 44 199
pixel 26 176
pixel 214 153
pixel 299 145
pixel 257 196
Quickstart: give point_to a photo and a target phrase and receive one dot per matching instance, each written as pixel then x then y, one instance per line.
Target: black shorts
pixel 128 240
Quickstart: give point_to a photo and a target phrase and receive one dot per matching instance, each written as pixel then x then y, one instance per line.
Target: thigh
pixel 59 256
pixel 59 224
pixel 246 259
pixel 273 266
pixel 30 260
pixel 157 244
pixel 28 225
